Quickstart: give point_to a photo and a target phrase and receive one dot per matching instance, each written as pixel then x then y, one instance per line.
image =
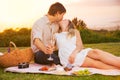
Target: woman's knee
pixel 94 53
pixel 97 51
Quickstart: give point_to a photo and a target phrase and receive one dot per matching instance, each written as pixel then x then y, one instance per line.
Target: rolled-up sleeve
pixel 37 31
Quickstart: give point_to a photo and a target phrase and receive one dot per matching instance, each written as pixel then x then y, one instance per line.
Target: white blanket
pixel 34 68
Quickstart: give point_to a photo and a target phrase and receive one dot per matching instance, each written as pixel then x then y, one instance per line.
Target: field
pixel 113 48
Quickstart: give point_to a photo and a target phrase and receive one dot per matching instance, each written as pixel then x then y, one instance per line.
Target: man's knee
pixel 56 59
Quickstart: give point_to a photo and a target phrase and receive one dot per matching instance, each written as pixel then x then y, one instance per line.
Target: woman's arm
pixel 79 43
pixel 79 47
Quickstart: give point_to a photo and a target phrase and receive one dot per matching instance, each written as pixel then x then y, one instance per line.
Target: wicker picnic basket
pixel 16 56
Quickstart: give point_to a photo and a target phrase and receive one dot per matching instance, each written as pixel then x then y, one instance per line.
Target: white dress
pixel 66 46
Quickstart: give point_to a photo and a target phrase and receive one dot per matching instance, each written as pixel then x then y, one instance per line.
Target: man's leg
pixel 41 58
pixel 55 57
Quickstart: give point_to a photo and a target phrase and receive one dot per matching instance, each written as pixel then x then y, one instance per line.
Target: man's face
pixel 59 17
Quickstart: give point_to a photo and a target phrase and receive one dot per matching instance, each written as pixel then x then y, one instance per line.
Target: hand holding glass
pixel 52 42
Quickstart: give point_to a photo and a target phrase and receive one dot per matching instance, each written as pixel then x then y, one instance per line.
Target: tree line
pixel 22 37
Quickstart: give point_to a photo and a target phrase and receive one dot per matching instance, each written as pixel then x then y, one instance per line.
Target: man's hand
pixel 49 49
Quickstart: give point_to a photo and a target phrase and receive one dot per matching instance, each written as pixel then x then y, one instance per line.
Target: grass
pixel 113 48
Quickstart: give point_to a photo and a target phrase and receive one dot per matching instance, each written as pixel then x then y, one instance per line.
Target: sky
pixel 95 13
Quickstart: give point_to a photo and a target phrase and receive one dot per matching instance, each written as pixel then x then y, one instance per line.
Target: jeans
pixel 42 58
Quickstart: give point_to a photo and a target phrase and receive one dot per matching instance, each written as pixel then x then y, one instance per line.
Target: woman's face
pixel 64 24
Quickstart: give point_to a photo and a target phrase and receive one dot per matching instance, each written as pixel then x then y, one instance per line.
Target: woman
pixel 71 50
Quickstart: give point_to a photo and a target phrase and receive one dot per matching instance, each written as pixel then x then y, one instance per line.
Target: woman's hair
pixel 71 29
pixel 56 7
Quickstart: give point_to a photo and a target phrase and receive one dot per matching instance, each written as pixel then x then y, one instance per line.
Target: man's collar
pixel 47 20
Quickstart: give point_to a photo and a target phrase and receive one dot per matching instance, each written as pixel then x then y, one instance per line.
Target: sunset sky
pixel 95 13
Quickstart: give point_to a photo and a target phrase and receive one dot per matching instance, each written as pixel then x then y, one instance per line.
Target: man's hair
pixel 56 7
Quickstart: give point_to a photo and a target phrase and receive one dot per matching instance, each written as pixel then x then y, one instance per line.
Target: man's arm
pixel 38 43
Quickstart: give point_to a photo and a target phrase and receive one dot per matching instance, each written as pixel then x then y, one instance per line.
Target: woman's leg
pixel 89 62
pixel 105 57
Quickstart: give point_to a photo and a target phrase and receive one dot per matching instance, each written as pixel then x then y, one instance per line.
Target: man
pixel 42 32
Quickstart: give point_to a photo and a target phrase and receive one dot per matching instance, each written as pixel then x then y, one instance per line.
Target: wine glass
pixel 52 42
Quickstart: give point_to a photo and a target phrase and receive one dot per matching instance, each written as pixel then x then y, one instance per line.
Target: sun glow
pixel 16 13
pixel 23 13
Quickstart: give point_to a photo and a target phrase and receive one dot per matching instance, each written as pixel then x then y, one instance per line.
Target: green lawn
pixel 113 48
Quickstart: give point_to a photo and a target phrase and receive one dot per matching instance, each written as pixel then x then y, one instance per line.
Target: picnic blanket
pixel 34 68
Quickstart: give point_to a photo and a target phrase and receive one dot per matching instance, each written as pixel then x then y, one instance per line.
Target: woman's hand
pixel 79 47
pixel 72 58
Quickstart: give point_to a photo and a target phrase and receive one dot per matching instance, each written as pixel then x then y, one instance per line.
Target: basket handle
pixel 10 44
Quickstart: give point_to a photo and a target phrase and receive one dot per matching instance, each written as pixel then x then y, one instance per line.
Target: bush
pixel 116 34
pixel 22 37
pixel 89 36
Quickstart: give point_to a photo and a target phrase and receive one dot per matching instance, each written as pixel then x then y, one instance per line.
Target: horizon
pixel 95 13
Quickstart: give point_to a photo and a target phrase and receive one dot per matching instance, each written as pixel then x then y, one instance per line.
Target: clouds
pixel 98 3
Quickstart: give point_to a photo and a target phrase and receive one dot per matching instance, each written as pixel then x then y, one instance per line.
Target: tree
pixel 80 24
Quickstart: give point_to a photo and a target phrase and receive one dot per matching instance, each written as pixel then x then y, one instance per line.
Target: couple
pixel 68 41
